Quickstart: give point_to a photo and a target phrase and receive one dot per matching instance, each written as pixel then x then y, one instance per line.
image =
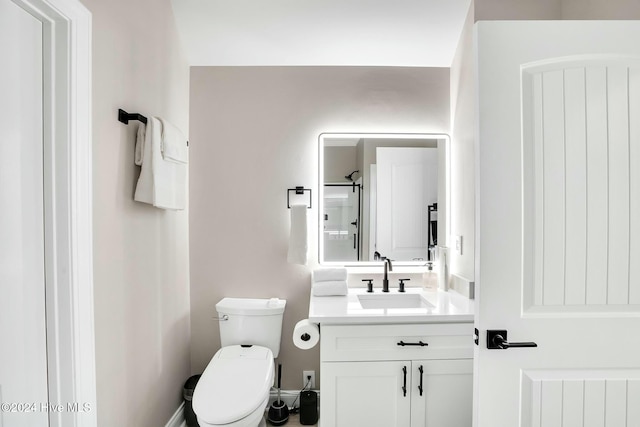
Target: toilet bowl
pixel 233 390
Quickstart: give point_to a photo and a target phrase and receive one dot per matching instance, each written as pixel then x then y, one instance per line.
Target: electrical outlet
pixel 458 240
pixel 305 379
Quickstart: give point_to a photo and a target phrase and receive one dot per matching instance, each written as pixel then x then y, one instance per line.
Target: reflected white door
pixel 559 223
pixel 23 363
pixel 407 183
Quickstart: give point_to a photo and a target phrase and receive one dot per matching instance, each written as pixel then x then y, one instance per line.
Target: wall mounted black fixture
pixel 298 190
pixel 124 117
pixel 350 176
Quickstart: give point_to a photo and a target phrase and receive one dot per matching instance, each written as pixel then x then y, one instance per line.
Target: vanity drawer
pixel 380 342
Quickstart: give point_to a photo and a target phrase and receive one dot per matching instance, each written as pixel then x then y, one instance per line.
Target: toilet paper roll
pixel 306 334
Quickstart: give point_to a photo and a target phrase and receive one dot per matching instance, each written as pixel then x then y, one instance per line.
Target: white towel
pixel 174 145
pixel 328 274
pixel 140 144
pixel 161 183
pixel 298 237
pixel 331 288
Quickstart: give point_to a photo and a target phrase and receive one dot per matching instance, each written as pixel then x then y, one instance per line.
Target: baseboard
pixel 289 397
pixel 177 420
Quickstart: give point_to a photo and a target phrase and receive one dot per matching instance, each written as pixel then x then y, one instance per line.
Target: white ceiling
pixel 419 33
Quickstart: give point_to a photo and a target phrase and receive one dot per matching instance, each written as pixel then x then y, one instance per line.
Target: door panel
pixel 587 398
pixel 23 363
pixel 557 221
pixel 407 183
pixel 577 198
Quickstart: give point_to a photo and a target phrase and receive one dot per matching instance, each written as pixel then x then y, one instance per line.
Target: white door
pixel 23 363
pixel 407 183
pixel 558 221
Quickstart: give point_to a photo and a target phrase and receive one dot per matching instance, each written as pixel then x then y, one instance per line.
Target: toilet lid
pixel 234 384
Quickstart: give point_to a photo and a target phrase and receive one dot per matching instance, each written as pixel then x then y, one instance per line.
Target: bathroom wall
pixel 254 133
pixel 600 9
pixel 492 10
pixel 556 9
pixel 463 131
pixel 141 254
pixel 339 162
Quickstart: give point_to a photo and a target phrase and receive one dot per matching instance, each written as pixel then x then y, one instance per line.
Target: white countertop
pixel 444 307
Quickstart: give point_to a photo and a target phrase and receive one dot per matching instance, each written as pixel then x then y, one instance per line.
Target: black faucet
pixel 385 280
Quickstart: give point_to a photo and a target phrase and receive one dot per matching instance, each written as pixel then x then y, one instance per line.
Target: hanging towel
pixel 330 288
pixel 144 188
pixel 328 274
pixel 140 144
pixel 174 145
pixel 161 183
pixel 298 237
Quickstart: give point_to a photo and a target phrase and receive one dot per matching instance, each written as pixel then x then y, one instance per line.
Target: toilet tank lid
pixel 251 306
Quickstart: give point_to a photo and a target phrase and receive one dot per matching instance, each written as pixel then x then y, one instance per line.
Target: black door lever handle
pixel 497 340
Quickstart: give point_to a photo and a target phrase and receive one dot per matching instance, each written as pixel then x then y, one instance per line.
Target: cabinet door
pixel 365 394
pixel 447 392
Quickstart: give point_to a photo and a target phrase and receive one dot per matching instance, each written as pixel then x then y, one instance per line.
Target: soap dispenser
pixel 430 277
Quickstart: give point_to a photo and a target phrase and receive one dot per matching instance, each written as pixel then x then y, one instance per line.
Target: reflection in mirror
pixel 382 196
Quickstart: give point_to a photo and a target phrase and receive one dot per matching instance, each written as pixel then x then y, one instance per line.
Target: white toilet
pixel 233 390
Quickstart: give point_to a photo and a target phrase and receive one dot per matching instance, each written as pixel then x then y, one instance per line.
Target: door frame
pixel 68 208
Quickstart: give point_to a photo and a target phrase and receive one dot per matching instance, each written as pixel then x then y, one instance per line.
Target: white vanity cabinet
pixel 370 379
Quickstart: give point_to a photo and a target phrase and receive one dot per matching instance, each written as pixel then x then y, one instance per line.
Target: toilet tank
pixel 251 321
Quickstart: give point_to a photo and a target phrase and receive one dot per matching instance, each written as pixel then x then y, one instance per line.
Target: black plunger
pixel 278 412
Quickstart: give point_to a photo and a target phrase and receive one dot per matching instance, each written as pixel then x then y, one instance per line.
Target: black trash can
pixel 187 394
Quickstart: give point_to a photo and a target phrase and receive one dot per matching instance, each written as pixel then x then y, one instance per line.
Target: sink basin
pixel 393 301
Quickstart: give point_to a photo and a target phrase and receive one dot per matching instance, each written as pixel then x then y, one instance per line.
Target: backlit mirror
pixel 382 195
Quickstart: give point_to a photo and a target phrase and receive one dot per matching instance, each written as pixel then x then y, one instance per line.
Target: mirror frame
pixel 417 265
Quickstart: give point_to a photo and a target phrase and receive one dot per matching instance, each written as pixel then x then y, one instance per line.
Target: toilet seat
pixel 235 385
pixel 254 419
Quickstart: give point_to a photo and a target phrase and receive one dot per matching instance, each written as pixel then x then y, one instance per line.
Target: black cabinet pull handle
pixel 421 372
pixel 420 343
pixel 497 340
pixel 404 387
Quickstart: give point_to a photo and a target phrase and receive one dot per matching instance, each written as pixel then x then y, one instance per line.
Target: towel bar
pixel 124 117
pixel 299 190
